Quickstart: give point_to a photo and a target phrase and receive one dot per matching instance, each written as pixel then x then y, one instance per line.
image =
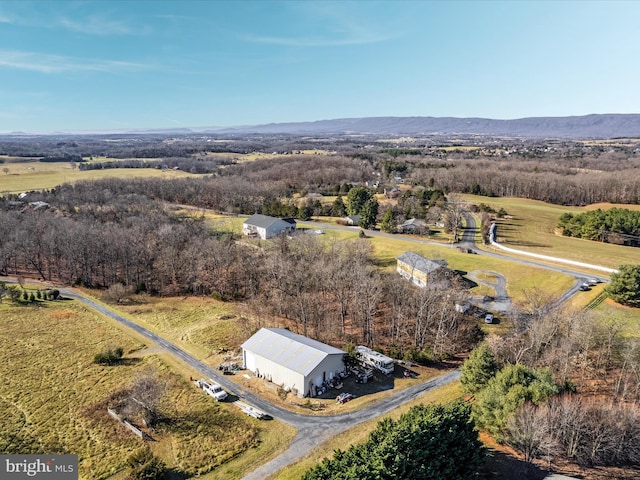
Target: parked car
pixel 584 287
pixel 213 389
pixel 488 318
pixel 344 398
pixel 593 282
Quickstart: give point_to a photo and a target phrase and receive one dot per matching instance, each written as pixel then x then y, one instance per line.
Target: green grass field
pixel 53 399
pixel 532 227
pixel 35 175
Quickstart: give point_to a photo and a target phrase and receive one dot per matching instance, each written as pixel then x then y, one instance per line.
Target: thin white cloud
pixel 98 25
pixel 316 41
pixel 341 28
pixel 46 63
pixel 5 19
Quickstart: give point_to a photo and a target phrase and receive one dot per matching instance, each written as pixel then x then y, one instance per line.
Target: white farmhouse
pixel 265 227
pixel 295 362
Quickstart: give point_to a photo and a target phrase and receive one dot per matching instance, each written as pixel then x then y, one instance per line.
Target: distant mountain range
pixel 578 127
pixel 588 126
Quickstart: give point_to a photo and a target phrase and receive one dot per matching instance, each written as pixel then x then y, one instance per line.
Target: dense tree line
pixel 516 396
pixel 582 430
pixel 428 442
pixel 326 289
pixel 615 225
pixel 198 165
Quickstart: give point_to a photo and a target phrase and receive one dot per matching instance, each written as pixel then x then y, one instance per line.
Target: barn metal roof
pixel 293 351
pixel 264 221
pixel 420 263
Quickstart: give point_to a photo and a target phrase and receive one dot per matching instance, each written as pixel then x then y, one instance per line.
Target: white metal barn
pixel 293 361
pixel 263 226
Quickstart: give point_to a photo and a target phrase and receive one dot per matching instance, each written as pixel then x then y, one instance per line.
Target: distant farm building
pixel 264 227
pixel 352 220
pixel 413 225
pixel 421 270
pixel 295 362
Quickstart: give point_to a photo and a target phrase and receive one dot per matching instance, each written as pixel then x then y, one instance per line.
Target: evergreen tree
pixel 478 369
pixel 305 212
pixel 338 208
pixel 388 223
pixel 356 200
pixel 428 442
pixel 625 285
pixel 369 213
pixel 506 392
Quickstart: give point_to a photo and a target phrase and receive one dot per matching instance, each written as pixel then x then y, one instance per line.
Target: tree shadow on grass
pixel 175 474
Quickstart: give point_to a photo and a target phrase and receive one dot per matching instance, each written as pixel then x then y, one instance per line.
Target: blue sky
pixel 86 65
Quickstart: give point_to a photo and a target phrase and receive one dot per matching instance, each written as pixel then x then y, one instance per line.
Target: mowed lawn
pixel 531 226
pixel 35 175
pixel 53 399
pixel 519 277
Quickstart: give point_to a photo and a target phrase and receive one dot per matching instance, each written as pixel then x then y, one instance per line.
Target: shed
pixel 352 220
pixel 418 269
pixel 413 225
pixel 293 361
pixel 265 227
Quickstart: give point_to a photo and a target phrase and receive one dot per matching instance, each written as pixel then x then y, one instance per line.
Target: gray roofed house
pixel 418 269
pixel 295 362
pixel 413 225
pixel 264 226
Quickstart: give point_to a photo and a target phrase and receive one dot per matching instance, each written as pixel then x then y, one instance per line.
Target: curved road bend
pixel 468 241
pixel 312 430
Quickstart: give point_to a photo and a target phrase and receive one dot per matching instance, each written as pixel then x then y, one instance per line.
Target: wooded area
pixel 616 225
pixel 124 236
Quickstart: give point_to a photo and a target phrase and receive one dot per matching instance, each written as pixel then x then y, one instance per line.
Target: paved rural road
pixel 468 241
pixel 313 430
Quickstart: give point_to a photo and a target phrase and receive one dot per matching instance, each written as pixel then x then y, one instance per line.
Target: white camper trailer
pixel 375 359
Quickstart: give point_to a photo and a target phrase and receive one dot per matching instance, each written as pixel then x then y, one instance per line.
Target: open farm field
pixel 210 326
pixel 519 277
pixel 250 157
pixel 53 400
pixel 360 433
pixel 24 177
pixel 531 226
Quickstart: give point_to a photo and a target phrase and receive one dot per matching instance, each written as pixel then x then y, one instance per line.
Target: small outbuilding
pixel 295 362
pixel 352 220
pixel 264 226
pixel 420 270
pixel 413 225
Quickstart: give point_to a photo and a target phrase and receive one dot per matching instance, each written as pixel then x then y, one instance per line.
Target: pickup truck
pixel 213 389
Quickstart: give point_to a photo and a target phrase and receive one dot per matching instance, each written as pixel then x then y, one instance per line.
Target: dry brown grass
pixel 53 399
